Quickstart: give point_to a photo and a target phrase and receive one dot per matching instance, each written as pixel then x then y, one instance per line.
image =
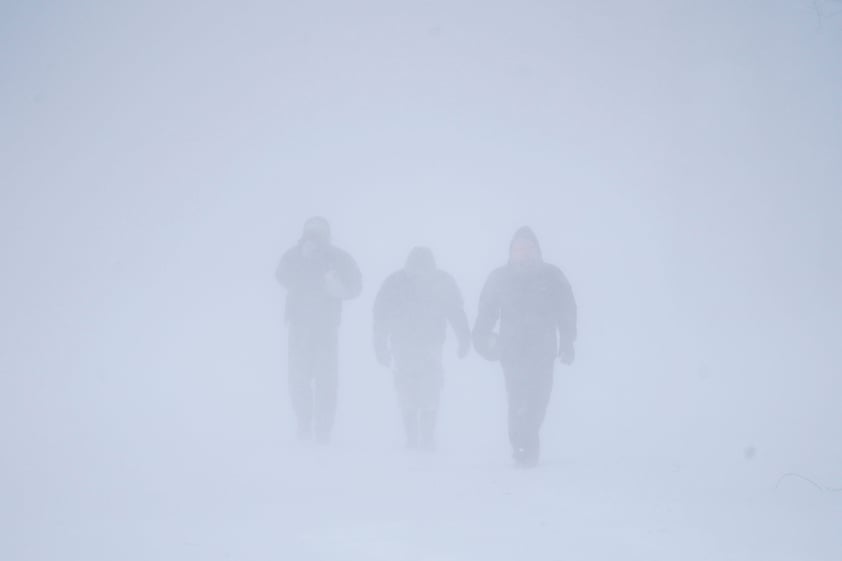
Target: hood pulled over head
pixel 316 229
pixel 524 248
pixel 420 261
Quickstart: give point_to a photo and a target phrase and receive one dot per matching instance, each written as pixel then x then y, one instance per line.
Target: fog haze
pixel 679 161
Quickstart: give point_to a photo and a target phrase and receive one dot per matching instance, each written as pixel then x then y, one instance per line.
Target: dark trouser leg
pixel 410 425
pixel 418 380
pixel 528 387
pixel 515 395
pixel 300 380
pixel 325 367
pixel 313 379
pixel 427 428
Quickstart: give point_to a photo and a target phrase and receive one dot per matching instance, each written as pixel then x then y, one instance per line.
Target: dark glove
pixel 566 353
pixel 334 286
pixel 487 346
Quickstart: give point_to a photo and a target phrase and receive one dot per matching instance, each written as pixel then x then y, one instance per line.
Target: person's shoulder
pixel 498 276
pixel 552 269
pixel 393 282
pixel 445 282
pixel 444 277
pixel 555 272
pixel 395 277
pixel 501 271
pixel 291 253
pixel 338 253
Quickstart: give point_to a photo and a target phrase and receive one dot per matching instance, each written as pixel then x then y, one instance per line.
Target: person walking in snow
pixel 411 312
pixel 318 277
pixel 532 303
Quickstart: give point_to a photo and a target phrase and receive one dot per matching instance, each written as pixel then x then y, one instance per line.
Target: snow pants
pixel 313 379
pixel 418 381
pixel 529 384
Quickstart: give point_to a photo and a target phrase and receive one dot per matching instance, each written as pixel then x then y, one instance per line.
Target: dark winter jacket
pixel 317 283
pixel 535 308
pixel 414 306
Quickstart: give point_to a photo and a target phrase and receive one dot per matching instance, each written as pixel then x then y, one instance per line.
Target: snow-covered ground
pixel 345 504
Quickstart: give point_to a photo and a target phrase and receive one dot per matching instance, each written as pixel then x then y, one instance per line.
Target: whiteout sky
pixel 680 161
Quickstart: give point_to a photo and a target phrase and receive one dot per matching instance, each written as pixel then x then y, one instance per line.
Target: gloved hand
pixel 464 347
pixel 334 286
pixel 488 346
pixel 566 353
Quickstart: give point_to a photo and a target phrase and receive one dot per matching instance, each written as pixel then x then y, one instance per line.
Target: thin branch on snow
pixel 808 480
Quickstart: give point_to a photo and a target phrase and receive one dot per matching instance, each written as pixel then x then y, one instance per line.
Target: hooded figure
pixel 317 276
pixel 526 317
pixel 411 313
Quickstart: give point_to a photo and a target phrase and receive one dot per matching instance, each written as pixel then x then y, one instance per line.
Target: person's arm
pixel 381 322
pixel 347 273
pixel 456 317
pixel 284 272
pixel 566 319
pixel 488 314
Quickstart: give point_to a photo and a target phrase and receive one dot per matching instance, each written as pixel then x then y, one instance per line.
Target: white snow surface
pixel 347 503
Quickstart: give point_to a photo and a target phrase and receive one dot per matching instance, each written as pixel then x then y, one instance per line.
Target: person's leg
pixel 430 380
pixel 299 361
pixel 427 428
pixel 410 424
pixel 537 398
pixel 325 372
pixel 418 384
pixel 405 372
pixel 517 407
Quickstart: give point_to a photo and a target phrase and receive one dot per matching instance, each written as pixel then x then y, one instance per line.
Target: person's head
pixel 524 248
pixel 420 261
pixel 316 228
pixel 314 235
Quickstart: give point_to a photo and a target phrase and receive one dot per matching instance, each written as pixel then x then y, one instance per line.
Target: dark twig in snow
pixel 821 13
pixel 808 480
